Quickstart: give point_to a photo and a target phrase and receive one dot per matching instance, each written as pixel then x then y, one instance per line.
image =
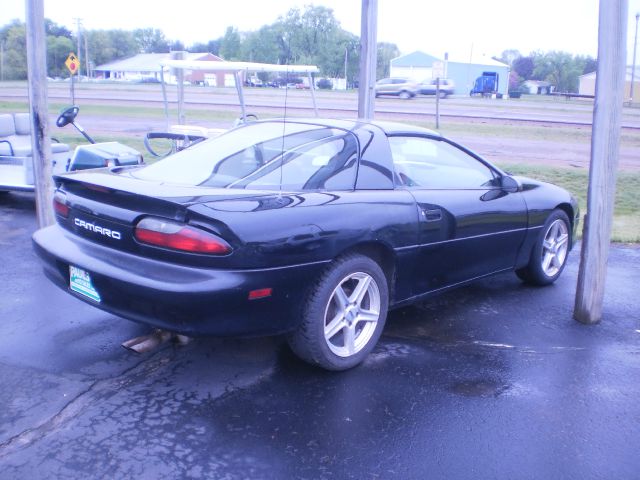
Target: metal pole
pixel 368 57
pixel 78 24
pixel 40 140
pixel 605 145
pixel 346 57
pixel 313 94
pixel 179 72
pixel 86 58
pixel 438 103
pixel 633 68
pixel 243 108
pixel 164 97
pixel 73 89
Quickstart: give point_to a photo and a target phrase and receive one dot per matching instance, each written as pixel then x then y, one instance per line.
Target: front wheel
pixel 405 95
pixel 549 254
pixel 344 314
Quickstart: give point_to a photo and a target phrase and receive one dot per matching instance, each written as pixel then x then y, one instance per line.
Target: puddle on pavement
pixel 479 388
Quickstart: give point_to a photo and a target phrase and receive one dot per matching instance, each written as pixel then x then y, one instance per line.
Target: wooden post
pixel 605 145
pixel 40 141
pixel 368 58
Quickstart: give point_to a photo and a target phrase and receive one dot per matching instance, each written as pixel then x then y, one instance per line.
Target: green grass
pixel 210 116
pixel 73 139
pixel 626 222
pixel 572 133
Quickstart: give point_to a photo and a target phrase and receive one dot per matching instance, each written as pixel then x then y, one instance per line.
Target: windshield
pixel 269 155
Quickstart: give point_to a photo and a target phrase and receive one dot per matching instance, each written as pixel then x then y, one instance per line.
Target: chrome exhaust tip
pixel 151 341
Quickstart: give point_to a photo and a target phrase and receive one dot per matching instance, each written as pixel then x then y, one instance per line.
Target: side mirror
pixel 510 184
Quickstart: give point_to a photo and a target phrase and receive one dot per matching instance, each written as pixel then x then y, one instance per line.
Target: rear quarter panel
pixel 541 199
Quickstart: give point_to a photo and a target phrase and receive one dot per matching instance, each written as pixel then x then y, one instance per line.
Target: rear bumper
pixel 185 299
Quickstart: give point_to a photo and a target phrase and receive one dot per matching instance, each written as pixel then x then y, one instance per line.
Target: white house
pixel 146 66
pixel 538 87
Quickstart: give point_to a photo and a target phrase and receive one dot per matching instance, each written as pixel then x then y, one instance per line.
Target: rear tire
pixel 344 314
pixel 550 252
pixel 405 95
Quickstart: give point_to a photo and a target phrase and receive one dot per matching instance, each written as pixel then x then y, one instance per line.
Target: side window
pixel 325 164
pixel 429 163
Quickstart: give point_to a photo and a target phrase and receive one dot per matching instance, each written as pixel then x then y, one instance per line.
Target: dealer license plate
pixel 80 281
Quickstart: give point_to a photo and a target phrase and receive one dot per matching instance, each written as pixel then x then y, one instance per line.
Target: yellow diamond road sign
pixel 72 63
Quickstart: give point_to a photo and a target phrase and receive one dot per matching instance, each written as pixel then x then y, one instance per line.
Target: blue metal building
pixel 419 66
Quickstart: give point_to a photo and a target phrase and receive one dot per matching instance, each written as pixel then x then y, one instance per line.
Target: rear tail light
pixel 60 204
pixel 178 236
pixel 260 293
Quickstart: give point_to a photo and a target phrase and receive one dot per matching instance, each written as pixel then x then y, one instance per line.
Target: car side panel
pixel 314 226
pixel 466 234
pixel 541 199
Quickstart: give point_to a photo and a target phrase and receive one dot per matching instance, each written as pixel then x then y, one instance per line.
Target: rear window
pixel 265 156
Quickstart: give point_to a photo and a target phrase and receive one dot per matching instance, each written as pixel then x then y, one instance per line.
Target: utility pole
pixel 78 26
pixel 368 58
pixel 633 68
pixel 40 140
pixel 87 72
pixel 605 146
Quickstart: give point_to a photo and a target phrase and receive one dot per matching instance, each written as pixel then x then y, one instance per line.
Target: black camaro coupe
pixel 313 228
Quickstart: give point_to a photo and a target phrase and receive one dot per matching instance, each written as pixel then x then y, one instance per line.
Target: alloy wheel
pixel 352 314
pixel 555 247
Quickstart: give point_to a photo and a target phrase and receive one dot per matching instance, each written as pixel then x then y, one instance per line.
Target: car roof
pixel 390 128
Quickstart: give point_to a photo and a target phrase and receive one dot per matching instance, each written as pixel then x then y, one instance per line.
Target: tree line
pixel 560 69
pixel 102 46
pixel 309 36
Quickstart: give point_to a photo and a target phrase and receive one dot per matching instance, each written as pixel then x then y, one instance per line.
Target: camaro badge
pixel 92 227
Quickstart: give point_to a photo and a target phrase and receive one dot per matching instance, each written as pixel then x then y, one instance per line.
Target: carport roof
pixel 148 62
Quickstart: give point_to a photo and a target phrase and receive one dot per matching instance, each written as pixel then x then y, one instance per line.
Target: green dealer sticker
pixel 80 281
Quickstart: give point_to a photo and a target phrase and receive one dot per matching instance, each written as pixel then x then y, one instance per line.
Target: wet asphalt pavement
pixel 494 380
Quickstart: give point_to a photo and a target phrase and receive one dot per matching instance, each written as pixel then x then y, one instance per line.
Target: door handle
pixel 434 215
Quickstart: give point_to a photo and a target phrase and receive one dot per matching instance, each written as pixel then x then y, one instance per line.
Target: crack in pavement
pixel 77 405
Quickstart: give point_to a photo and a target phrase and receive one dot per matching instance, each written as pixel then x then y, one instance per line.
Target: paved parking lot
pixel 491 381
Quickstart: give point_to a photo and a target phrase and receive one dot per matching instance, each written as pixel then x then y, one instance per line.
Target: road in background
pixel 335 103
pixel 539 130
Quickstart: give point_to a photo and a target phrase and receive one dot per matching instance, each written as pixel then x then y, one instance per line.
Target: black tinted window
pixel 430 163
pixel 267 155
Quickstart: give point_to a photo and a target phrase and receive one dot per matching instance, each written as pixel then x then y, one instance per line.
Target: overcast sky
pixel 455 26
